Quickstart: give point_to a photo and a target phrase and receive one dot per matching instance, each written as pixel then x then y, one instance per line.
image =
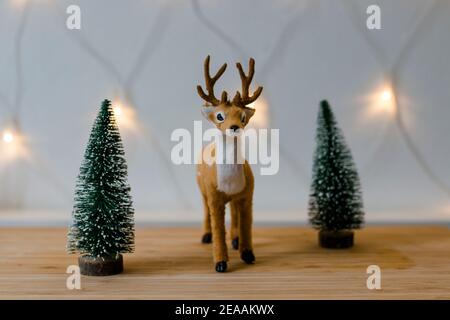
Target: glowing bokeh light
pixel 125 116
pixel 386 96
pixel 381 102
pixel 260 118
pixel 117 111
pixel 387 102
pixel 13 146
pixel 8 136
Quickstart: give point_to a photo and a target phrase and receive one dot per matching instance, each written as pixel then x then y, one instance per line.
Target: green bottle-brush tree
pixel 103 215
pixel 335 204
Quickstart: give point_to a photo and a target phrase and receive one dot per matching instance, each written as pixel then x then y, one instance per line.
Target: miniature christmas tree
pixel 103 223
pixel 335 204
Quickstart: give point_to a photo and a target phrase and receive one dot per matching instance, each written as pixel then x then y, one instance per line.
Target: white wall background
pixel 305 51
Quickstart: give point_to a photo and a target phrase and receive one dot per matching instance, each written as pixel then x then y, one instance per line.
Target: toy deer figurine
pixel 221 182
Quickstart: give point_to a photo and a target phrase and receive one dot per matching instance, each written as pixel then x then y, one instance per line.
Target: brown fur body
pixel 214 202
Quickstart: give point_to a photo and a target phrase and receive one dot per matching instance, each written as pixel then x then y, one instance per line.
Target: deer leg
pixel 220 252
pixel 234 225
pixel 245 231
pixel 207 234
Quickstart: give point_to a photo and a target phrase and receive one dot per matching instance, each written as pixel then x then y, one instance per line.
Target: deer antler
pixel 210 85
pixel 242 101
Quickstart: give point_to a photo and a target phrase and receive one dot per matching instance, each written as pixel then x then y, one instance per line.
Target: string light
pixel 260 119
pixel 14 145
pixel 117 111
pixel 387 100
pixel 8 136
pixel 381 102
pixel 386 96
pixel 125 116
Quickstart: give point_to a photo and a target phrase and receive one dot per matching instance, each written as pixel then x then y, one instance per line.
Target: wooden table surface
pixel 170 263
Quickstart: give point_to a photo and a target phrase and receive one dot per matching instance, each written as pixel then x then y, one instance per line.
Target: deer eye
pixel 243 117
pixel 220 117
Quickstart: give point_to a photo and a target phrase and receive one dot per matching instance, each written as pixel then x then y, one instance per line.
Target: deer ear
pixel 208 111
pixel 249 112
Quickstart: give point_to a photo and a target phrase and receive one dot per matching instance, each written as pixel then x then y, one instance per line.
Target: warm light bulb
pixel 261 117
pixel 8 137
pixel 386 96
pixel 125 115
pixel 117 111
pixel 381 102
pixel 13 146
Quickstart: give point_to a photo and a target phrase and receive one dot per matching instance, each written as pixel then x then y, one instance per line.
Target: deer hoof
pixel 207 238
pixel 221 266
pixel 235 243
pixel 247 256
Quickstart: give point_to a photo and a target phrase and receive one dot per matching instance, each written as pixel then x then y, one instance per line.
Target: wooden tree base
pixel 336 239
pixel 104 266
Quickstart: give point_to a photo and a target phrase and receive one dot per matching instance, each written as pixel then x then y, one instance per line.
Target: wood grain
pixel 171 263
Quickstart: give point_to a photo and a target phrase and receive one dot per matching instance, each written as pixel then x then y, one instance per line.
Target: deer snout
pixel 233 131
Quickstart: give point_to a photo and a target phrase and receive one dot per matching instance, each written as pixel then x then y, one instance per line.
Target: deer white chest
pixel 230 178
pixel 230 174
